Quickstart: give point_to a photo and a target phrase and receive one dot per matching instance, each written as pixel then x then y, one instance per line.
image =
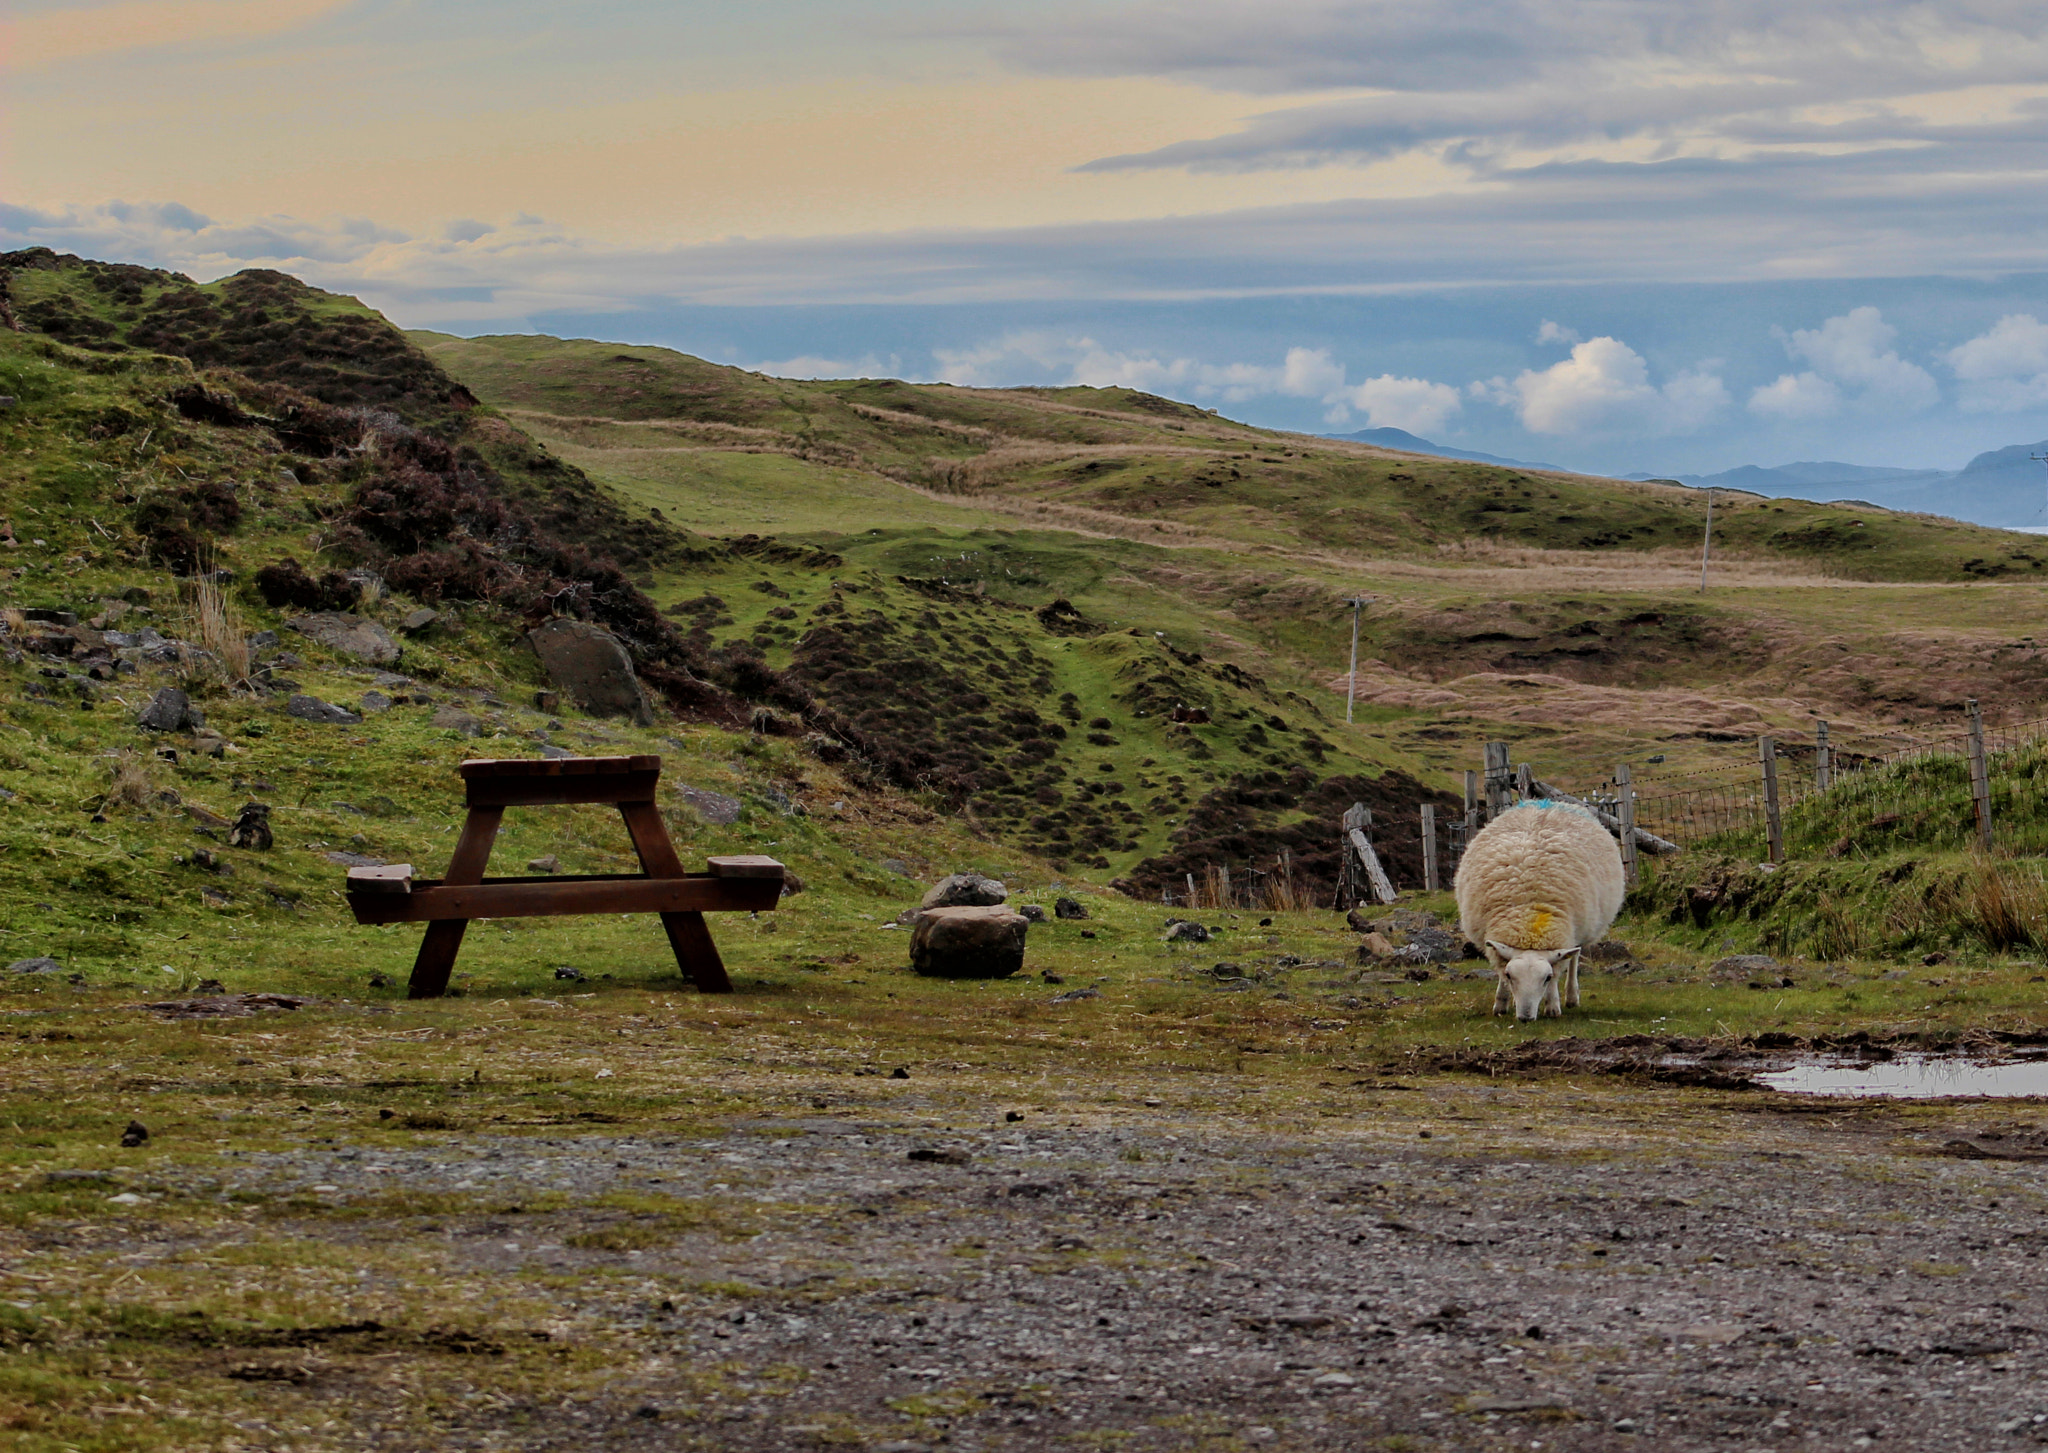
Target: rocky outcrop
pixel 350 635
pixel 591 665
pixel 312 708
pixel 966 890
pixel 170 710
pixel 968 943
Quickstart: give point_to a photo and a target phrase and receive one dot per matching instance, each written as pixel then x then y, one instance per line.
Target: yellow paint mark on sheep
pixel 1540 922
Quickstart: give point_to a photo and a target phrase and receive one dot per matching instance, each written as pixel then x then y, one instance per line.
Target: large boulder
pixel 968 943
pixel 312 708
pixel 591 665
pixel 350 635
pixel 966 890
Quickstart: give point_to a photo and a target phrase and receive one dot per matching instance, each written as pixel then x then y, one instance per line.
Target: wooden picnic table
pixel 731 884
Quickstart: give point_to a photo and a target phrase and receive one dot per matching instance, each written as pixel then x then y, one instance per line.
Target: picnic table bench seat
pixel 391 894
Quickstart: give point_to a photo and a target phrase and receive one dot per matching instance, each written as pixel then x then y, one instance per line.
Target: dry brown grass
pixel 214 623
pixel 13 620
pixel 131 786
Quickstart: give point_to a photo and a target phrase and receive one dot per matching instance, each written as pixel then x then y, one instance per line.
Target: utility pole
pixel 2040 459
pixel 1357 604
pixel 1707 546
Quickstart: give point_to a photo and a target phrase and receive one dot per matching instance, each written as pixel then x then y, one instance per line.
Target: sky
pixel 1660 235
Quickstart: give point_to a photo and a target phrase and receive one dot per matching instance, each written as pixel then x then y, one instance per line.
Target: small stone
pixel 312 708
pixel 1033 912
pixel 349 635
pixel 1359 921
pixel 1182 931
pixel 899 1073
pixel 715 808
pixel 547 701
pixel 1744 966
pixel 1937 957
pixel 78 1178
pixel 573 975
pixel 170 710
pixel 252 828
pixel 380 981
pixel 966 890
pixel 980 942
pixel 35 966
pixel 897 866
pixel 135 1134
pixel 927 1156
pixel 418 620
pixel 453 719
pixel 1376 946
pixel 549 864
pixel 374 701
pixel 1068 908
pixel 1334 1380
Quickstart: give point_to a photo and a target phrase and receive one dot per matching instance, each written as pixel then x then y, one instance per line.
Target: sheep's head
pixel 1530 974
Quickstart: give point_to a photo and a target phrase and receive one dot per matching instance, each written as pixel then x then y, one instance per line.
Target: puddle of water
pixel 1913 1077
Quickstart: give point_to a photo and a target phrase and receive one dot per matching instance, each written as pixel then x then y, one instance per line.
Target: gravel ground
pixel 1548 1268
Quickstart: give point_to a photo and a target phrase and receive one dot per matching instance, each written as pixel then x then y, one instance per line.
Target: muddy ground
pixel 1439 1264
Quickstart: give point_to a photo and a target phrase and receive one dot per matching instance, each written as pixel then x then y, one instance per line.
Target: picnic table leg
pixel 688 935
pixel 443 938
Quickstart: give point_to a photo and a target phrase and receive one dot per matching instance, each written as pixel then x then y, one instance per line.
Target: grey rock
pixel 170 710
pixel 897 866
pixel 1033 912
pixel 419 620
pixel 1181 931
pixel 350 635
pixel 252 827
pixel 965 890
pixel 375 701
pixel 714 807
pixel 1743 966
pixel 1608 951
pixel 312 708
pixel 548 864
pixel 454 719
pixel 978 942
pixel 355 860
pixel 1068 908
pixel 263 640
pixel 556 754
pixel 35 966
pixel 591 665
pixel 389 680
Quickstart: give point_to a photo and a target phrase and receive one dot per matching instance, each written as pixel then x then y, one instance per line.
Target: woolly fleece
pixel 1543 876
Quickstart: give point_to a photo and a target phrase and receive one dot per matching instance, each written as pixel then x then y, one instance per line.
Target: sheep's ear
pixel 1567 953
pixel 1500 948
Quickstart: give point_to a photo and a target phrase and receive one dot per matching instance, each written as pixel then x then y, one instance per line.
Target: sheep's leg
pixel 1571 983
pixel 1551 1002
pixel 1501 1004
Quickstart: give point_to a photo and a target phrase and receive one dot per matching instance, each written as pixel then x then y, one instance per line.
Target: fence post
pixel 1625 786
pixel 1496 779
pixel 1430 882
pixel 1980 777
pixel 1823 758
pixel 1524 780
pixel 1471 805
pixel 1767 752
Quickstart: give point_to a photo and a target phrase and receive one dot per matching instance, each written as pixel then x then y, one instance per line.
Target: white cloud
pixel 2005 368
pixel 1605 387
pixel 1797 396
pixel 1556 333
pixel 810 365
pixel 1414 404
pixel 1853 354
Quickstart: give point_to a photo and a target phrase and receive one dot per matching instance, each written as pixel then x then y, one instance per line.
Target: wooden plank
pixel 393 878
pixel 690 940
pixel 746 865
pixel 1980 777
pixel 1430 881
pixel 1774 822
pixel 1625 788
pixel 537 791
pixel 1382 885
pixel 1646 841
pixel 1357 816
pixel 487 767
pixel 1497 776
pixel 543 897
pixel 1823 758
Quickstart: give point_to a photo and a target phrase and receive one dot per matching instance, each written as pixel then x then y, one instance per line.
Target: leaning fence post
pixel 1625 786
pixel 1823 758
pixel 1980 776
pixel 1496 779
pixel 1767 752
pixel 1430 883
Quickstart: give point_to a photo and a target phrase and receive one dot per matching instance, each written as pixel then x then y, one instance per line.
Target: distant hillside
pixel 2001 488
pixel 1415 444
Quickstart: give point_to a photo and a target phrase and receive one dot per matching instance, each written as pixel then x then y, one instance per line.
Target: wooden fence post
pixel 1625 785
pixel 1471 805
pixel 1356 821
pixel 1980 777
pixel 1767 753
pixel 1523 780
pixel 1823 758
pixel 1496 779
pixel 1430 882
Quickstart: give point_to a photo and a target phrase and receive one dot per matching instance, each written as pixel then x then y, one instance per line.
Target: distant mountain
pixel 1414 444
pixel 2001 487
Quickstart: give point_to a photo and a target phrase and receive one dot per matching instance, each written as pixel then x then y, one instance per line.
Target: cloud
pixel 1556 333
pixel 50 37
pixel 2005 368
pixel 1854 366
pixel 868 365
pixel 1414 404
pixel 1605 387
pixel 1797 396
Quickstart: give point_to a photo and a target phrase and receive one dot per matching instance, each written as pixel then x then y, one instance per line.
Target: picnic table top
pixel 558 766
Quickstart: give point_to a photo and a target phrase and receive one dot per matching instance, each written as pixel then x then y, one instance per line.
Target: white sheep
pixel 1541 882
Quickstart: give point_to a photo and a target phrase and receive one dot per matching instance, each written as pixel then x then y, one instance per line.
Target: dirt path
pixel 1458 1266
